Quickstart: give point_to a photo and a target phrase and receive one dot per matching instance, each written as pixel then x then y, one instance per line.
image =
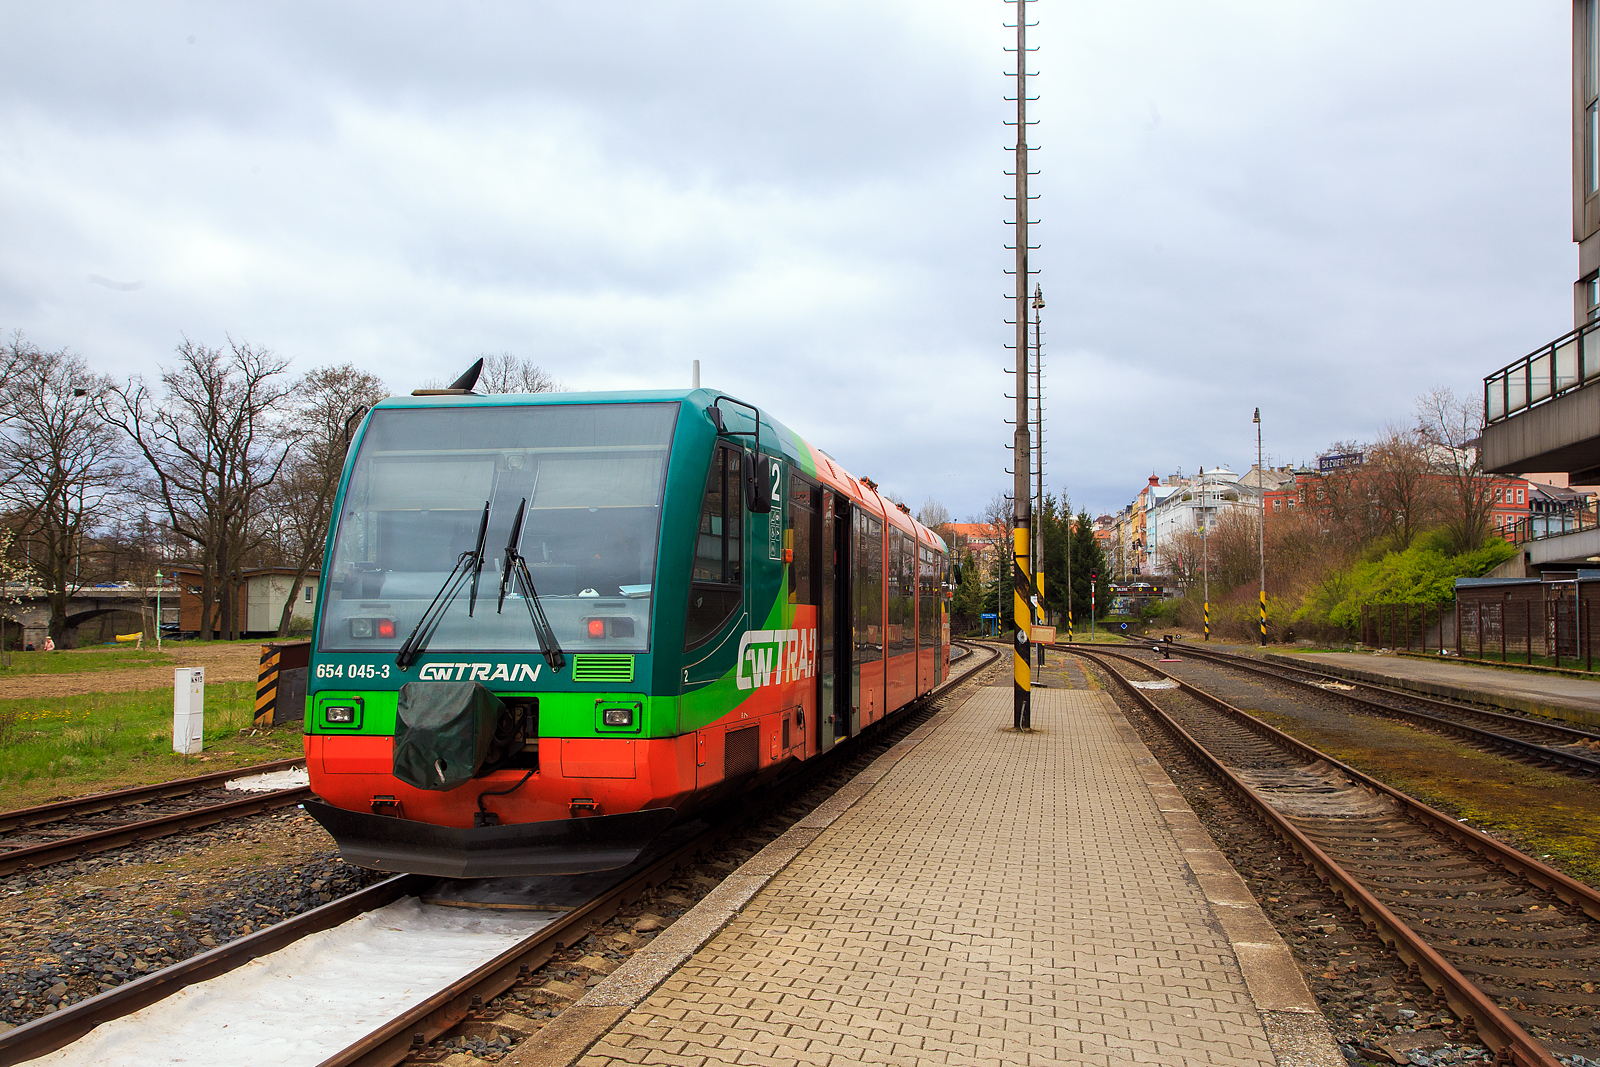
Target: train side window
pixel 928 598
pixel 868 562
pixel 716 585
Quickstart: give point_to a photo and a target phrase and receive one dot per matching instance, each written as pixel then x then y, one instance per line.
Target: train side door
pixel 806 596
pixel 833 625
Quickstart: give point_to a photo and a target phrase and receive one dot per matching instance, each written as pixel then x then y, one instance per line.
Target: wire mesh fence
pixel 1549 624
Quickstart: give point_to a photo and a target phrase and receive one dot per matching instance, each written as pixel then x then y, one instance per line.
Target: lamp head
pixel 1257 418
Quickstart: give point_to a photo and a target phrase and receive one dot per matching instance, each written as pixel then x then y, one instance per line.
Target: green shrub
pixel 1422 574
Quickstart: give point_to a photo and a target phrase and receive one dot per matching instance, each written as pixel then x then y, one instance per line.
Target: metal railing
pixel 1565 364
pixel 1553 627
pixel 1538 527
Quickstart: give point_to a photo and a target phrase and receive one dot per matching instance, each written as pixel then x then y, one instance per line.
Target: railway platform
pixel 1576 700
pixel 976 896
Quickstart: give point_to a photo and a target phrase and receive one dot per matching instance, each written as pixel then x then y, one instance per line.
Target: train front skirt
pixel 563 846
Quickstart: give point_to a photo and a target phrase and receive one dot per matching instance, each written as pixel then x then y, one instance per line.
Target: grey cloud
pixel 1342 205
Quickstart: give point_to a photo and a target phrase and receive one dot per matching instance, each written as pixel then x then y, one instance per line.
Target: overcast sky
pixel 1324 209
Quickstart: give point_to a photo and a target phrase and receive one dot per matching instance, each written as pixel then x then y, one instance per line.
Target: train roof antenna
pixel 462 386
pixel 470 378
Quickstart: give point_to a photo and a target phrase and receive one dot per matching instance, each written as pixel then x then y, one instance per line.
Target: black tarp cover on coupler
pixel 442 732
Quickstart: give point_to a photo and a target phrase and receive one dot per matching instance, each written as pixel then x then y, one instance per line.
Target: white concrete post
pixel 188 710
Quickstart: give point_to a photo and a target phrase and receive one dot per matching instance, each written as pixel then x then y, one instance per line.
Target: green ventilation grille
pixel 602 668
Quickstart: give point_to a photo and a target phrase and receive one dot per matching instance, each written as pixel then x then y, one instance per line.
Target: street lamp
pixel 1261 526
pixel 159 578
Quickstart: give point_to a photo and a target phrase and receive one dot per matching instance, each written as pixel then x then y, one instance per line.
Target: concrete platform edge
pixel 575 1031
pixel 1296 1029
pixel 1561 712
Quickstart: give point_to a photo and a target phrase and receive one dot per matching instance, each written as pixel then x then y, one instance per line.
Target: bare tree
pixel 214 442
pixel 505 372
pixel 997 517
pixel 1400 479
pixel 15 352
pixel 932 514
pixel 63 470
pixel 300 503
pixel 1452 427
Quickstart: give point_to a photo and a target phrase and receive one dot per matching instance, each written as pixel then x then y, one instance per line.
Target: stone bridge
pixel 30 608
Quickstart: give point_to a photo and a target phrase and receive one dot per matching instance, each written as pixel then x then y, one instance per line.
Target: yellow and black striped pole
pixel 1021 586
pixel 1263 616
pixel 1206 614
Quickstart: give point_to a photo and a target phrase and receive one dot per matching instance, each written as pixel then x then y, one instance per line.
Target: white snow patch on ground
pixel 311 999
pixel 293 778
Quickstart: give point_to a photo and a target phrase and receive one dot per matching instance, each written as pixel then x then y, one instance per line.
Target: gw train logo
pixel 479 672
pixel 767 657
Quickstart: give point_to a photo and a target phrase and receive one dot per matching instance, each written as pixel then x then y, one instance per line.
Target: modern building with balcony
pixel 1542 412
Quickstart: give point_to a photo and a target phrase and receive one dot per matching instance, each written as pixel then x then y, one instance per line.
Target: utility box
pixel 188 710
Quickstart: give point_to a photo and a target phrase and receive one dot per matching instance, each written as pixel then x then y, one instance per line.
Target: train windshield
pixel 591 477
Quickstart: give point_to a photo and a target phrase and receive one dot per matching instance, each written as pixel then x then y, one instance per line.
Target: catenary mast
pixel 1022 450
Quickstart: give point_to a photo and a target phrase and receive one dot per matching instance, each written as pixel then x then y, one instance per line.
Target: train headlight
pixel 341 713
pixel 367 628
pixel 619 716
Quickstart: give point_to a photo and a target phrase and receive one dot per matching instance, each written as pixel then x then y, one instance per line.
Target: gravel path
pixel 223 663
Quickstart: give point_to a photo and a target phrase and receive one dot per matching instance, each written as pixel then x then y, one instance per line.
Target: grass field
pixel 92 742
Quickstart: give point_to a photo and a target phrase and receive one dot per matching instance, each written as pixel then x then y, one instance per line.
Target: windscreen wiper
pixel 518 566
pixel 468 565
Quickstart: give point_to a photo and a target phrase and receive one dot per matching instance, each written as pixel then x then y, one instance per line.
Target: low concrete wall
pixel 1576 716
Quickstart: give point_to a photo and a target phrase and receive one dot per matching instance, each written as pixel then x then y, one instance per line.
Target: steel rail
pixel 1250 663
pixel 42 855
pixel 50 1032
pixel 1570 760
pixel 43 814
pixel 1497 1029
pixel 391 1043
pixel 439 1013
pixel 1568 889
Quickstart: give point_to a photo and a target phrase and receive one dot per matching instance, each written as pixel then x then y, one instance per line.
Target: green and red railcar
pixel 552 625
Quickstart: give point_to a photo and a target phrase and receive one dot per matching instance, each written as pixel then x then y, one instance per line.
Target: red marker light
pixel 597 627
pixel 385 627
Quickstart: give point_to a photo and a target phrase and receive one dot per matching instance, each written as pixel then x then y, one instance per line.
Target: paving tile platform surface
pixel 994 898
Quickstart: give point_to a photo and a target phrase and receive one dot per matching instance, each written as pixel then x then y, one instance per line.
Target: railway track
pixel 1512 945
pixel 584 902
pixel 1569 749
pixel 70 829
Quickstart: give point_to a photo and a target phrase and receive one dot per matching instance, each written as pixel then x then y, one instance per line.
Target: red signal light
pixel 385 627
pixel 597 627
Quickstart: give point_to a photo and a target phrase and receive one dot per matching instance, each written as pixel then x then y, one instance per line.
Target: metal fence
pixel 1536 527
pixel 1553 629
pixel 1410 627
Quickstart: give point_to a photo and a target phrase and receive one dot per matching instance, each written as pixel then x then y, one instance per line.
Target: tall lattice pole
pixel 1022 447
pixel 1205 556
pixel 1261 526
pixel 1038 453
